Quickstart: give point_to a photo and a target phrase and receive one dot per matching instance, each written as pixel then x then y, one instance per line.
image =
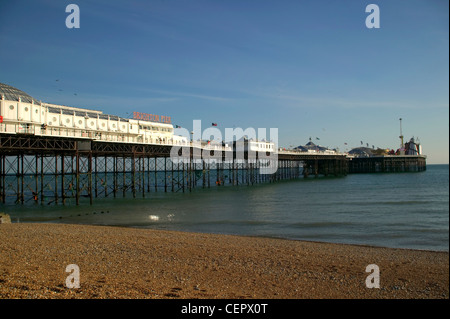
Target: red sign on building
pixel 151 117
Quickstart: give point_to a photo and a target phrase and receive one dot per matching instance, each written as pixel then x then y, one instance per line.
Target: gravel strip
pixel 119 262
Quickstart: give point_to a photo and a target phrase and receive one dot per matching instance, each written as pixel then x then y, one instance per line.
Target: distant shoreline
pixel 128 262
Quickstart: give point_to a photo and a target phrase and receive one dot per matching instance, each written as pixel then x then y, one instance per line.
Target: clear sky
pixel 308 68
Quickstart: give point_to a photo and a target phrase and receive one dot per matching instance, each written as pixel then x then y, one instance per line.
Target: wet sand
pixel 118 262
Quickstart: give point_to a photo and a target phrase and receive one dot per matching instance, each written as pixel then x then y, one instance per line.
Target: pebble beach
pixel 132 263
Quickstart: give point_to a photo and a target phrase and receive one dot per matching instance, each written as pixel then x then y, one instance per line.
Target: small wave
pixel 319 224
pixel 393 203
pixel 237 222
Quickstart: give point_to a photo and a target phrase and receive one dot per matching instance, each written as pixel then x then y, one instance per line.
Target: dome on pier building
pixel 310 146
pixel 362 152
pixel 13 94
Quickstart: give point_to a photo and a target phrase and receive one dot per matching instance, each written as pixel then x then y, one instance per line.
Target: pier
pixel 52 154
pixel 387 164
pixel 55 170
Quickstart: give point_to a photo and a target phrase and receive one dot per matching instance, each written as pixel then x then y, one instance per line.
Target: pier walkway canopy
pixel 11 93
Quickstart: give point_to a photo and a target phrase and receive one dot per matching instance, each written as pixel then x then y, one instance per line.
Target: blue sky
pixel 308 68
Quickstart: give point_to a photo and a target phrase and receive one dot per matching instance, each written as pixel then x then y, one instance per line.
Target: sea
pixel 399 210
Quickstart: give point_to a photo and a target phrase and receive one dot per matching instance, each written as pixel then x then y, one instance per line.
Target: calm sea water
pixel 405 210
